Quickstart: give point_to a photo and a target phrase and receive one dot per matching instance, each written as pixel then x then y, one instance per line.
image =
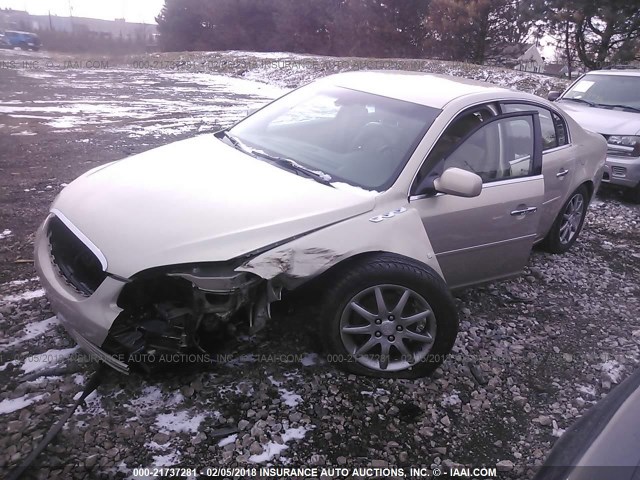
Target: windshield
pixel 607 91
pixel 351 136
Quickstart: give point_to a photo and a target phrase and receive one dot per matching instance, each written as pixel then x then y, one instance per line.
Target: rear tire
pixel 406 335
pixel 568 224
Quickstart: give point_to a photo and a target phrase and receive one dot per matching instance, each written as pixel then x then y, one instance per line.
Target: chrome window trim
pixel 507 181
pixel 553 109
pixel 83 238
pixel 556 149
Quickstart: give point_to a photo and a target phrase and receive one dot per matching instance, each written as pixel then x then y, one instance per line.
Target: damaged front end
pixel 166 314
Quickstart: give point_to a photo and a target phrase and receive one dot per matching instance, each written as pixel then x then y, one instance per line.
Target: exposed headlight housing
pixel 623 145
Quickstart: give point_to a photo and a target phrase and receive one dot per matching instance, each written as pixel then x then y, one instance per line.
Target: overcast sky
pixel 132 10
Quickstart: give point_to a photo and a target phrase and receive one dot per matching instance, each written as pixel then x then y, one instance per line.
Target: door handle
pixel 562 173
pixel 525 211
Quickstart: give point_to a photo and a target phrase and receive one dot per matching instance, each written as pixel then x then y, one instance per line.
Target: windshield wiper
pixel 294 167
pixel 580 100
pixel 605 105
pixel 280 161
pixel 235 142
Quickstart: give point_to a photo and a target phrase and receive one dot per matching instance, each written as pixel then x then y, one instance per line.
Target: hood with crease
pixel 197 200
pixel 603 120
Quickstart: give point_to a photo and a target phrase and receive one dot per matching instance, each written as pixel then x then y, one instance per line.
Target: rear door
pixel 558 160
pixel 490 236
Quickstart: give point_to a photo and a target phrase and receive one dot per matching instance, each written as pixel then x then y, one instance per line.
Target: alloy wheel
pixel 388 328
pixel 571 218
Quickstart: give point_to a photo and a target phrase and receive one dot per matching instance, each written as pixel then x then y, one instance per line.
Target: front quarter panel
pixel 397 230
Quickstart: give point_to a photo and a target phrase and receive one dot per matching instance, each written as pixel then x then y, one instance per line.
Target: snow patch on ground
pixel 157 108
pixel 587 390
pixel 451 400
pixel 92 404
pixel 25 133
pixel 28 295
pixel 612 370
pixel 48 359
pixel 290 398
pixel 272 449
pixel 20 282
pixel 227 440
pixel 5 233
pixel 179 422
pixel 151 397
pixel 10 405
pixel 167 460
pixel 34 330
pixel 12 362
pixel 311 359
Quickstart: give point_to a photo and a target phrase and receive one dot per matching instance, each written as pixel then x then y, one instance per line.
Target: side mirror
pixel 251 111
pixel 553 95
pixel 458 182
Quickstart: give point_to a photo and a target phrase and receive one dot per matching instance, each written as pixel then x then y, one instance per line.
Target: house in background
pixel 519 56
pixel 531 61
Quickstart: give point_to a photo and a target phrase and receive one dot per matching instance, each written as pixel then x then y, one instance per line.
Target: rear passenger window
pixel 561 129
pixel 552 126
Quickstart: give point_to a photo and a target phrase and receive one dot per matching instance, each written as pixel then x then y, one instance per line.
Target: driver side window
pixel 493 148
pixel 499 150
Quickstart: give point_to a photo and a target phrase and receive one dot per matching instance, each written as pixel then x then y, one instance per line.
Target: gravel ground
pixel 532 354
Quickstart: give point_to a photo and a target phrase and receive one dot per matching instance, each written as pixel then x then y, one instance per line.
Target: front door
pixel 490 236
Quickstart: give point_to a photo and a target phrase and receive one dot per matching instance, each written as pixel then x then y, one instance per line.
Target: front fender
pixel 401 232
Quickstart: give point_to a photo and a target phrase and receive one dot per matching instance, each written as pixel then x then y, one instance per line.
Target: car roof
pixel 635 72
pixel 428 89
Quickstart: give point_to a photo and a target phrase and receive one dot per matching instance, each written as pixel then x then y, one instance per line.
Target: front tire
pixel 388 316
pixel 568 224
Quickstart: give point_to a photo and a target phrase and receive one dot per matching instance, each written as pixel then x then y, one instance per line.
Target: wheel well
pixel 590 187
pixel 322 281
pixel 325 279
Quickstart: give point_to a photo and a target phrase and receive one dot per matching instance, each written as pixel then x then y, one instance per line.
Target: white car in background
pixel 608 102
pixel 379 191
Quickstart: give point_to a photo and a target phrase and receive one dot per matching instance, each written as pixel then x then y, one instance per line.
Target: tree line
pixel 592 32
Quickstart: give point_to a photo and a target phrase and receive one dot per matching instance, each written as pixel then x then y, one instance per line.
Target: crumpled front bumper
pixel 87 319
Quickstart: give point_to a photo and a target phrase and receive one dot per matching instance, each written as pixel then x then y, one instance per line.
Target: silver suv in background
pixel 608 102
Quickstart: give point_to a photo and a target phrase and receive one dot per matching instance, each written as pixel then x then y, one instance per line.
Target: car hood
pixel 603 120
pixel 197 200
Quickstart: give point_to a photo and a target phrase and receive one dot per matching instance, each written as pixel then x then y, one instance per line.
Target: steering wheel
pixel 374 137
